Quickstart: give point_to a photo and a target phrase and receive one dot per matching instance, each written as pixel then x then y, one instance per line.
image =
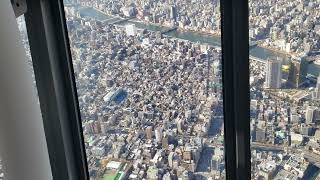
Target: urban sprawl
pixel 152 104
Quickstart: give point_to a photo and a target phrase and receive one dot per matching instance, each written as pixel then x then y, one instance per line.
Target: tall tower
pixel 318 88
pixel 173 13
pixel 159 134
pixel 310 114
pixel 149 132
pixel 294 74
pixel 273 74
pixel 297 72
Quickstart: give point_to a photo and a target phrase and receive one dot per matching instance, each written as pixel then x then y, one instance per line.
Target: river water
pixel 256 51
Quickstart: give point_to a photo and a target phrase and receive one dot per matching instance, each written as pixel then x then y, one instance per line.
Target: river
pixel 256 51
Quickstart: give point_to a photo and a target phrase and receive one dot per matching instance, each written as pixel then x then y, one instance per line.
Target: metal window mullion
pixel 56 88
pixel 235 65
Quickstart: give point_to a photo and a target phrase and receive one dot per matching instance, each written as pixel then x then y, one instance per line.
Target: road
pixel 312 157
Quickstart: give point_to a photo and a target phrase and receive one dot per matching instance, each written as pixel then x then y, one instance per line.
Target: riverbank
pixel 214 35
pixel 278 51
pixel 257 52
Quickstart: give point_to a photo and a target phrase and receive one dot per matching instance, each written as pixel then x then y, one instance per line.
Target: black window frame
pixel 52 63
pixel 236 88
pixel 55 81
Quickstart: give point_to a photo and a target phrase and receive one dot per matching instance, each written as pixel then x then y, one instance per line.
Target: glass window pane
pixel 285 88
pixel 148 76
pixel 25 42
pixel 1 170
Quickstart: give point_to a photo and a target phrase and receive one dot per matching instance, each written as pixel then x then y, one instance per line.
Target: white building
pixel 318 88
pixel 273 74
pixel 310 114
pixel 159 134
pixel 98 151
pixel 131 30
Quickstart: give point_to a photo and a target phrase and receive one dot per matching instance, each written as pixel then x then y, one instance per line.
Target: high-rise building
pixel 131 30
pixel 93 127
pixel 158 134
pixel 89 126
pixel 306 130
pixel 149 132
pixel 297 72
pixel 273 74
pixel 170 159
pixel 294 74
pixel 97 127
pixel 260 135
pixel 310 114
pixel 165 142
pixel 318 88
pixel 173 13
pixel 180 126
pixel 104 127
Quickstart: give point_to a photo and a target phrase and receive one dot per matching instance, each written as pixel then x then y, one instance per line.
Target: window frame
pixel 52 63
pixel 236 88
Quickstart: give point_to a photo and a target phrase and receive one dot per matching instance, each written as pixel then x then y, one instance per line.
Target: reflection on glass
pixel 148 76
pixel 1 170
pixel 285 89
pixel 25 42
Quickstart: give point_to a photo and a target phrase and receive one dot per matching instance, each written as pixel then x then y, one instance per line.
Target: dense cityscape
pixel 145 91
pixel 152 103
pixel 290 27
pixel 149 101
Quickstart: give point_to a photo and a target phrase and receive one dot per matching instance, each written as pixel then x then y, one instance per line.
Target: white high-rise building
pixel 159 134
pixel 131 30
pixel 179 126
pixel 318 88
pixel 170 159
pixel 310 114
pixel 273 74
